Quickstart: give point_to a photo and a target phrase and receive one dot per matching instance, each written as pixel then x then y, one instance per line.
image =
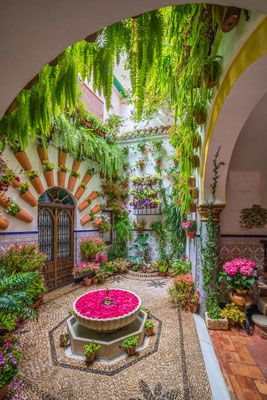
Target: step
pixel 262 305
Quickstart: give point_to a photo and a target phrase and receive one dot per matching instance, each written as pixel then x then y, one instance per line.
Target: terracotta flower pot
pixel 87 281
pixel 37 184
pixel 158 163
pixel 211 74
pixel 90 359
pixel 193 308
pixel 62 156
pixel 85 219
pixel 61 177
pixel 87 123
pixel 76 165
pixel 96 209
pixel 93 195
pixel 84 204
pixel 4 200
pixel 98 222
pixel 49 177
pixel 242 292
pixel 24 216
pixel 86 179
pixel 240 299
pixel 38 302
pixel 131 351
pixel 150 331
pixel 3 392
pixel 79 192
pixel 200 116
pixel 42 152
pixel 72 182
pixel 22 158
pixel 227 21
pixel 190 234
pixel 29 198
pixel 142 166
pixel 14 183
pixel 3 223
pixel 192 182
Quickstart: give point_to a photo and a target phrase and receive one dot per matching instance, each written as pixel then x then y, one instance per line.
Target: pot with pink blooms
pixel 239 277
pixel 190 228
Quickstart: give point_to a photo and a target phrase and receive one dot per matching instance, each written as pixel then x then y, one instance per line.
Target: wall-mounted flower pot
pixel 96 209
pixel 87 123
pixel 12 107
pixel 42 152
pixel 194 192
pixel 29 198
pixel 227 21
pixel 84 204
pixel 3 223
pixel 76 165
pixel 86 218
pixel 61 177
pixel 86 179
pixel 72 182
pixel 192 182
pixel 37 184
pixel 190 234
pixel 195 161
pixel 22 158
pixel 55 61
pixel 79 192
pixel 98 222
pixel 24 216
pixel 211 74
pixel 62 156
pixel 14 183
pixel 49 177
pixel 93 195
pixel 4 200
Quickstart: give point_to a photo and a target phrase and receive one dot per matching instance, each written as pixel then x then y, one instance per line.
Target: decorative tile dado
pixel 242 247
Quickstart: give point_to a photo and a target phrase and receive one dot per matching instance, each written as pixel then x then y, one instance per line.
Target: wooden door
pixel 56 236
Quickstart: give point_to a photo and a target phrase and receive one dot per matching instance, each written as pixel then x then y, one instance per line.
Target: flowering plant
pixel 182 291
pixel 13 208
pixel 91 246
pixel 85 269
pixel 9 357
pixel 111 190
pixel 145 192
pixel 181 266
pixel 6 175
pixel 195 298
pixel 101 259
pixel 189 226
pixel 22 258
pixel 238 273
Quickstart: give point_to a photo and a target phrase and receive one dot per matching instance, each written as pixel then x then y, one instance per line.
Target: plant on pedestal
pixel 149 327
pixel 130 345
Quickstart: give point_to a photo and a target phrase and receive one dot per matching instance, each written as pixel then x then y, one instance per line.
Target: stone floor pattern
pixel 171 368
pixel 243 360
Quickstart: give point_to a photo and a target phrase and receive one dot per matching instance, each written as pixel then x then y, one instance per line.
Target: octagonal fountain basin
pixel 110 341
pixel 106 310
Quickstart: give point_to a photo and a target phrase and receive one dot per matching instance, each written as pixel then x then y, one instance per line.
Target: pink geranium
pixel 239 265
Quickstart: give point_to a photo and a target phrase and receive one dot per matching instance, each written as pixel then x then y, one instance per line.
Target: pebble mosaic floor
pixel 171 368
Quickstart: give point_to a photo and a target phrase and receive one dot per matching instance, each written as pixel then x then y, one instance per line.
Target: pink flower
pixel 231 268
pixel 186 225
pixel 239 265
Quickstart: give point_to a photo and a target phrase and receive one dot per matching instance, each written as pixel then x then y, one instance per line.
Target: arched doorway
pixel 56 225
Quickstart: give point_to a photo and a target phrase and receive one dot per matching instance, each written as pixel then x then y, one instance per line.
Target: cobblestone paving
pixel 174 370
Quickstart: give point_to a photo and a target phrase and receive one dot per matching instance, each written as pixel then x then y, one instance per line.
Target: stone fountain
pixel 106 317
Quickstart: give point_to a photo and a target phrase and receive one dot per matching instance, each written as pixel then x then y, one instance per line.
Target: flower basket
pixel 24 216
pixel 93 196
pixel 79 192
pixel 42 152
pixel 76 165
pixel 227 21
pixel 49 177
pixel 37 184
pixel 86 179
pixel 22 158
pixel 29 198
pixel 84 204
pixel 61 177
pixel 72 182
pixel 190 234
pixel 62 156
pixel 85 219
pixel 3 223
pixel 192 182
pixel 4 200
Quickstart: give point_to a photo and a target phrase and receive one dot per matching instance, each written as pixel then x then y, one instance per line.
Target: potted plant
pixel 212 70
pixel 62 157
pixel 4 223
pixel 76 165
pixel 14 209
pixel 84 204
pixel 238 275
pixel 36 291
pixel 80 191
pixel 233 313
pixel 64 339
pixel 156 227
pixel 146 310
pixel 182 290
pixel 42 152
pixel 181 266
pixel 90 352
pixel 194 193
pixel 194 302
pixel 228 18
pixel 88 176
pixel 61 175
pixel 199 113
pixel 22 158
pixel 26 195
pixel 139 225
pixel 91 246
pixel 96 209
pixel 35 181
pixel 85 219
pixel 72 179
pixel 190 228
pixel 93 195
pixel 105 227
pixel 192 182
pixel 158 160
pixel 4 200
pixel 10 356
pixel 88 281
pixel 163 270
pixel 141 163
pixel 48 172
pixel 194 161
pixel 98 222
pixel 149 328
pixel 130 344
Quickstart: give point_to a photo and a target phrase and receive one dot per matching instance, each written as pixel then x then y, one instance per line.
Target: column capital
pixel 216 210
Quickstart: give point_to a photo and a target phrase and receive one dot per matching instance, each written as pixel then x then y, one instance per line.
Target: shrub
pixel 22 258
pixel 181 266
pixel 91 246
pixel 36 290
pixel 233 314
pixel 9 357
pixel 182 291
